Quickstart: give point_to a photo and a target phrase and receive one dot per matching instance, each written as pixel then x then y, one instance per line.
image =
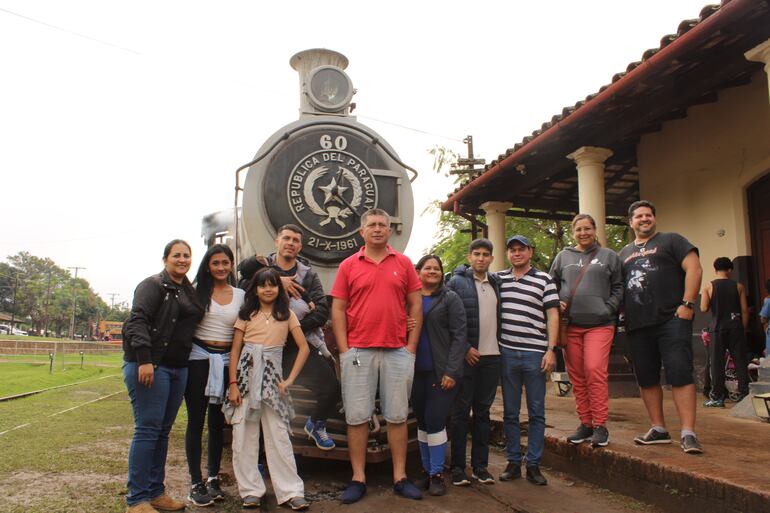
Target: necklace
pixel 642 245
pixel 267 316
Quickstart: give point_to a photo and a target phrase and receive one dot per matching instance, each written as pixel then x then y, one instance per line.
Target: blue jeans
pixel 155 409
pixel 523 368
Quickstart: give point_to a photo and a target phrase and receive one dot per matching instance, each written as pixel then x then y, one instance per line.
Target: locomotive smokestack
pixel 318 94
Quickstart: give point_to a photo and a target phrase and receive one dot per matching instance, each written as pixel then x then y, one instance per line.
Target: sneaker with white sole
pixel 199 495
pixel 601 437
pixel 483 476
pixel 251 501
pixel 714 403
pixel 214 488
pixel 582 434
pixel 652 437
pixel 690 445
pixel 316 431
pixel 460 477
pixel 297 503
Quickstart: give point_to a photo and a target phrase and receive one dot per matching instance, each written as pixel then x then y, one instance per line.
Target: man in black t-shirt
pixel 661 274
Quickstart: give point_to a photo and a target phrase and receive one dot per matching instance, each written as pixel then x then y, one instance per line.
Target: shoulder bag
pixel 564 321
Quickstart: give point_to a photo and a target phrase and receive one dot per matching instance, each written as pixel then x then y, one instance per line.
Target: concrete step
pixel 667 486
pixel 728 478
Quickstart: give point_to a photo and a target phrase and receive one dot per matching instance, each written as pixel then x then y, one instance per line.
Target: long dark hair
pixel 204 282
pixel 265 276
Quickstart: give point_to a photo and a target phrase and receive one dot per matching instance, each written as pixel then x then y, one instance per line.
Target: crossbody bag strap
pixel 580 275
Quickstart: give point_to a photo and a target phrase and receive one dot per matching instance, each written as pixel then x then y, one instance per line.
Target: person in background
pixel 591 306
pixel 208 369
pixel 661 276
pixel 764 316
pixel 157 338
pixel 258 396
pixel 438 368
pixel 726 299
pixel 479 291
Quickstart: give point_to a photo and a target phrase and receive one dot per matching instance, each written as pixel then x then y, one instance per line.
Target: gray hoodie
pixel 600 291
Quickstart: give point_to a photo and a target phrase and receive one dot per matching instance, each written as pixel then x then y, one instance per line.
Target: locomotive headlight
pixel 329 89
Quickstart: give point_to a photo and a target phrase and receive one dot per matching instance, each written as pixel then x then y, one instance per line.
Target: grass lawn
pixel 76 461
pixel 31 338
pixel 21 375
pixel 79 456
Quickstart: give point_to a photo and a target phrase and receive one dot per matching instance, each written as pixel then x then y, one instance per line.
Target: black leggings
pixel 197 403
pixel 431 403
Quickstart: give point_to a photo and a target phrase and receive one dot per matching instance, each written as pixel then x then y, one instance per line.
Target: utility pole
pixel 47 297
pixel 74 301
pixel 112 295
pixel 13 312
pixel 466 167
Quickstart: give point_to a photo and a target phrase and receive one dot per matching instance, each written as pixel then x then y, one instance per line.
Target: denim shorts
pixel 362 369
pixel 668 344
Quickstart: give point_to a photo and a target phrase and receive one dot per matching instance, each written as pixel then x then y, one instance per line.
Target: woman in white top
pixel 207 372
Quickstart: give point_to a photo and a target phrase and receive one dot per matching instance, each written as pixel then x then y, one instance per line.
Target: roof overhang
pixel 689 68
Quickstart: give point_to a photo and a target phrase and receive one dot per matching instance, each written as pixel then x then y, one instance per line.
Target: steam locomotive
pixel 320 172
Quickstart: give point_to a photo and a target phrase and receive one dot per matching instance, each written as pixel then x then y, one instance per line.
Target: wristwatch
pixel 552 348
pixel 688 304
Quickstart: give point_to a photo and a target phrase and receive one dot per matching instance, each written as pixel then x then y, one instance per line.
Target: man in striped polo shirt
pixel 530 326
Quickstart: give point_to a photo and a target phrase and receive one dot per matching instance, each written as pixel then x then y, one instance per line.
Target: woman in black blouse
pixel 157 338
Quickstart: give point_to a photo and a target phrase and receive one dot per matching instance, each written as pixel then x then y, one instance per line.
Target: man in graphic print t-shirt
pixel 529 329
pixel 661 274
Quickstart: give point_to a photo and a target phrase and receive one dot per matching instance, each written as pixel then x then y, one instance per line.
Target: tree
pixel 45 294
pixel 547 236
pixel 117 313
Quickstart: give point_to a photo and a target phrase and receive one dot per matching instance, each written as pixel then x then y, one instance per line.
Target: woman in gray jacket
pixel 438 367
pixel 591 309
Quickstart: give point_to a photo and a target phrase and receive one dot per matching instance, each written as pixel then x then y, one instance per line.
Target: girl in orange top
pixel 258 396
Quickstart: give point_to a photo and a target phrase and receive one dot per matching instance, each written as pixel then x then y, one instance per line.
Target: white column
pixel 495 214
pixel 761 53
pixel 590 169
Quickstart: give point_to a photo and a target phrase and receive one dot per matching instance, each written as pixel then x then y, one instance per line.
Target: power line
pixel 413 129
pixel 69 31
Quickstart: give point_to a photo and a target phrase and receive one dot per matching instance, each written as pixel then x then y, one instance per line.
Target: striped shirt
pixel 524 302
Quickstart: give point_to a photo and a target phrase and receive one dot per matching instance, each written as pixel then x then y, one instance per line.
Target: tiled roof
pixel 684 27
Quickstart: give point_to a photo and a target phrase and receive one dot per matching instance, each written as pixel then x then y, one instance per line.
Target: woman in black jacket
pixel 157 338
pixel 438 367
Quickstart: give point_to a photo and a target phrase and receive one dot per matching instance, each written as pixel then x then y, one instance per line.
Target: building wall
pixel 697 169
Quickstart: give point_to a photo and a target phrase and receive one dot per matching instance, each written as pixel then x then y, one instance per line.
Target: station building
pixel 686 127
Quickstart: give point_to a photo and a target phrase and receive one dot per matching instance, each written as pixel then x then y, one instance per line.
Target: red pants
pixel 587 358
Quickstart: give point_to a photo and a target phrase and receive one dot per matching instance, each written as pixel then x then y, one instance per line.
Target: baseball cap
pixel 520 239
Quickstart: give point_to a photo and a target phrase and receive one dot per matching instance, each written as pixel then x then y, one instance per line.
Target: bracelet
pixel 233 382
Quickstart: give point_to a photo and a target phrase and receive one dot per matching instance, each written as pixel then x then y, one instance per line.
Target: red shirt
pixel 376 296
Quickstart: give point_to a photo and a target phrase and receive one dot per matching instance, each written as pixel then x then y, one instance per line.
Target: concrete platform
pixel 731 476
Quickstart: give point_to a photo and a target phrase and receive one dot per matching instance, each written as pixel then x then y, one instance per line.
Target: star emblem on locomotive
pixel 329 190
pixel 335 207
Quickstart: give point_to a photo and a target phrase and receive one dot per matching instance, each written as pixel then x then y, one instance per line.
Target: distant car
pixel 7 330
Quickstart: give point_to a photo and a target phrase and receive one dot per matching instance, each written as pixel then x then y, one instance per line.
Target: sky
pixel 122 123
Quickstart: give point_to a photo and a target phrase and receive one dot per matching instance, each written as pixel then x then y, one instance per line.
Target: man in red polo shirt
pixel 373 292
